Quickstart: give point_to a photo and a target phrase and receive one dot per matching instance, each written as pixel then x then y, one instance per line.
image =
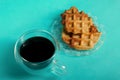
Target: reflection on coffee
pixel 37 49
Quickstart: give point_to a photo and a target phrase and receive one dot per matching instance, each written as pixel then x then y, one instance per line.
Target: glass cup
pixel 48 65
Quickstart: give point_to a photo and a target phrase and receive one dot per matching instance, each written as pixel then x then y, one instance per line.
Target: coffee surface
pixel 37 49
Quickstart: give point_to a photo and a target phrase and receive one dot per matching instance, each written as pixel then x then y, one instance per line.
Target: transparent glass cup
pixel 48 65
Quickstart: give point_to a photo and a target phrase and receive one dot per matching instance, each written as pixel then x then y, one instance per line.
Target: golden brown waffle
pixel 79 31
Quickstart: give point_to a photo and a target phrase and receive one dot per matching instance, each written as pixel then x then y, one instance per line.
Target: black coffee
pixel 37 49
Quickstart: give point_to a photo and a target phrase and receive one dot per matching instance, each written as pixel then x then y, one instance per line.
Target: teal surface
pixel 19 16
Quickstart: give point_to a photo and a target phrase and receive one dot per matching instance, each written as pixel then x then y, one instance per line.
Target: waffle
pixel 79 32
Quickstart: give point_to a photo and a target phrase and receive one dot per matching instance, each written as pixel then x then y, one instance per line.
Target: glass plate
pixel 56 30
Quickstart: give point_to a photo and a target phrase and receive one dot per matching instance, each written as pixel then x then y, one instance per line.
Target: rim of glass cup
pixel 17 53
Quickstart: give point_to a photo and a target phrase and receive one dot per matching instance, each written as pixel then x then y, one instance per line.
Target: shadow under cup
pixel 35 49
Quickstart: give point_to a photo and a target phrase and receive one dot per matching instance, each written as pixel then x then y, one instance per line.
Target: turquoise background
pixel 19 16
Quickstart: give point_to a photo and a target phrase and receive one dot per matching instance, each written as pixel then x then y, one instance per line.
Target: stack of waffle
pixel 79 32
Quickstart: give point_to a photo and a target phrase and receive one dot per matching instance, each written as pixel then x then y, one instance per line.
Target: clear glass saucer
pixel 56 30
